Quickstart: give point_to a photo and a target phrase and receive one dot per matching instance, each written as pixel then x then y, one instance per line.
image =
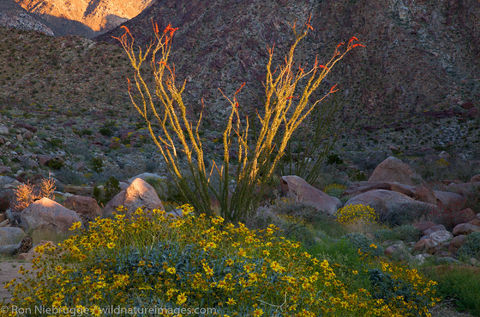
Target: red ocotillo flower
pixel 238 90
pixel 170 29
pixel 309 26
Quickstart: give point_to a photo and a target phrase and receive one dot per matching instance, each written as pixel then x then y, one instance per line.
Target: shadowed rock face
pixel 84 17
pixel 14 16
pixel 420 55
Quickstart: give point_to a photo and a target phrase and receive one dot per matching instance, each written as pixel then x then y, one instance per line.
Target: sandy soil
pixel 8 271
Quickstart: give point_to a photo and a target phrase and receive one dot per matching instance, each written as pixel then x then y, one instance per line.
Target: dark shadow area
pixel 62 26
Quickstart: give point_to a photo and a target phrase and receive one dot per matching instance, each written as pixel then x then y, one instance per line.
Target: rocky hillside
pixel 84 17
pixel 422 57
pixel 14 16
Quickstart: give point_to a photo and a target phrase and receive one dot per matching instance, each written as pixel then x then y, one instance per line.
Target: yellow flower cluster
pixel 240 272
pixel 356 213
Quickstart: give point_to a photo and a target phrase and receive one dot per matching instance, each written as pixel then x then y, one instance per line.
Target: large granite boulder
pixel 303 192
pixel 10 239
pixel 47 214
pixel 392 207
pixel 449 201
pixel 86 207
pixel 418 192
pixel 394 170
pixel 465 228
pixel 7 191
pixel 139 194
pixel 434 241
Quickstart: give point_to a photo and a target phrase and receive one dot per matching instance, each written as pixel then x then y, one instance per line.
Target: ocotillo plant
pixel 286 107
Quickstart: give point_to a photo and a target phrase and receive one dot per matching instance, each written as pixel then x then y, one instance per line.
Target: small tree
pixel 257 159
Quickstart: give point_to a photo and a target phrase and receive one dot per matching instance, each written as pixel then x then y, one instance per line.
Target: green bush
pixel 458 283
pixel 55 163
pixel 335 190
pixel 471 247
pixel 110 189
pixel 364 244
pixel 97 164
pixel 407 233
pixel 106 131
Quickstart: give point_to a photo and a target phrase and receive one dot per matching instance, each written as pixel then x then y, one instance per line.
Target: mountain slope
pixel 84 17
pixel 420 56
pixel 14 16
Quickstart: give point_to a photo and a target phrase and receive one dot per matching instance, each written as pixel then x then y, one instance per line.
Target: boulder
pixel 47 214
pixel 433 229
pixel 84 206
pixel 394 170
pixel 10 239
pixel 440 236
pixel 462 216
pixel 7 182
pixel 138 194
pixel 433 242
pixel 450 201
pixel 423 225
pixel 420 258
pixel 465 228
pixel 467 190
pixel 392 207
pixel 305 193
pixel 456 243
pixel 7 193
pixel 475 221
pixel 419 192
pixel 4 130
pixel 475 179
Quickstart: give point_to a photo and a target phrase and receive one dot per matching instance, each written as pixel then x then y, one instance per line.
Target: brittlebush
pixel 155 259
pixel 233 182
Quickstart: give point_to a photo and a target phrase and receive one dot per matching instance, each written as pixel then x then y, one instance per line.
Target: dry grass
pixel 25 194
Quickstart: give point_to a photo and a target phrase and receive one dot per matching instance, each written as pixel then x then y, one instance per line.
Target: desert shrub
pixel 458 283
pixel 362 243
pixel 106 131
pixel 391 283
pixel 197 261
pixel 356 213
pixel 25 194
pixel 97 164
pixel 97 194
pixel 335 190
pixel 357 176
pixel 235 182
pixel 471 247
pixel 406 233
pixel 334 159
pixel 110 189
pixel 400 215
pixel 54 142
pixel 166 190
pixel 55 163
